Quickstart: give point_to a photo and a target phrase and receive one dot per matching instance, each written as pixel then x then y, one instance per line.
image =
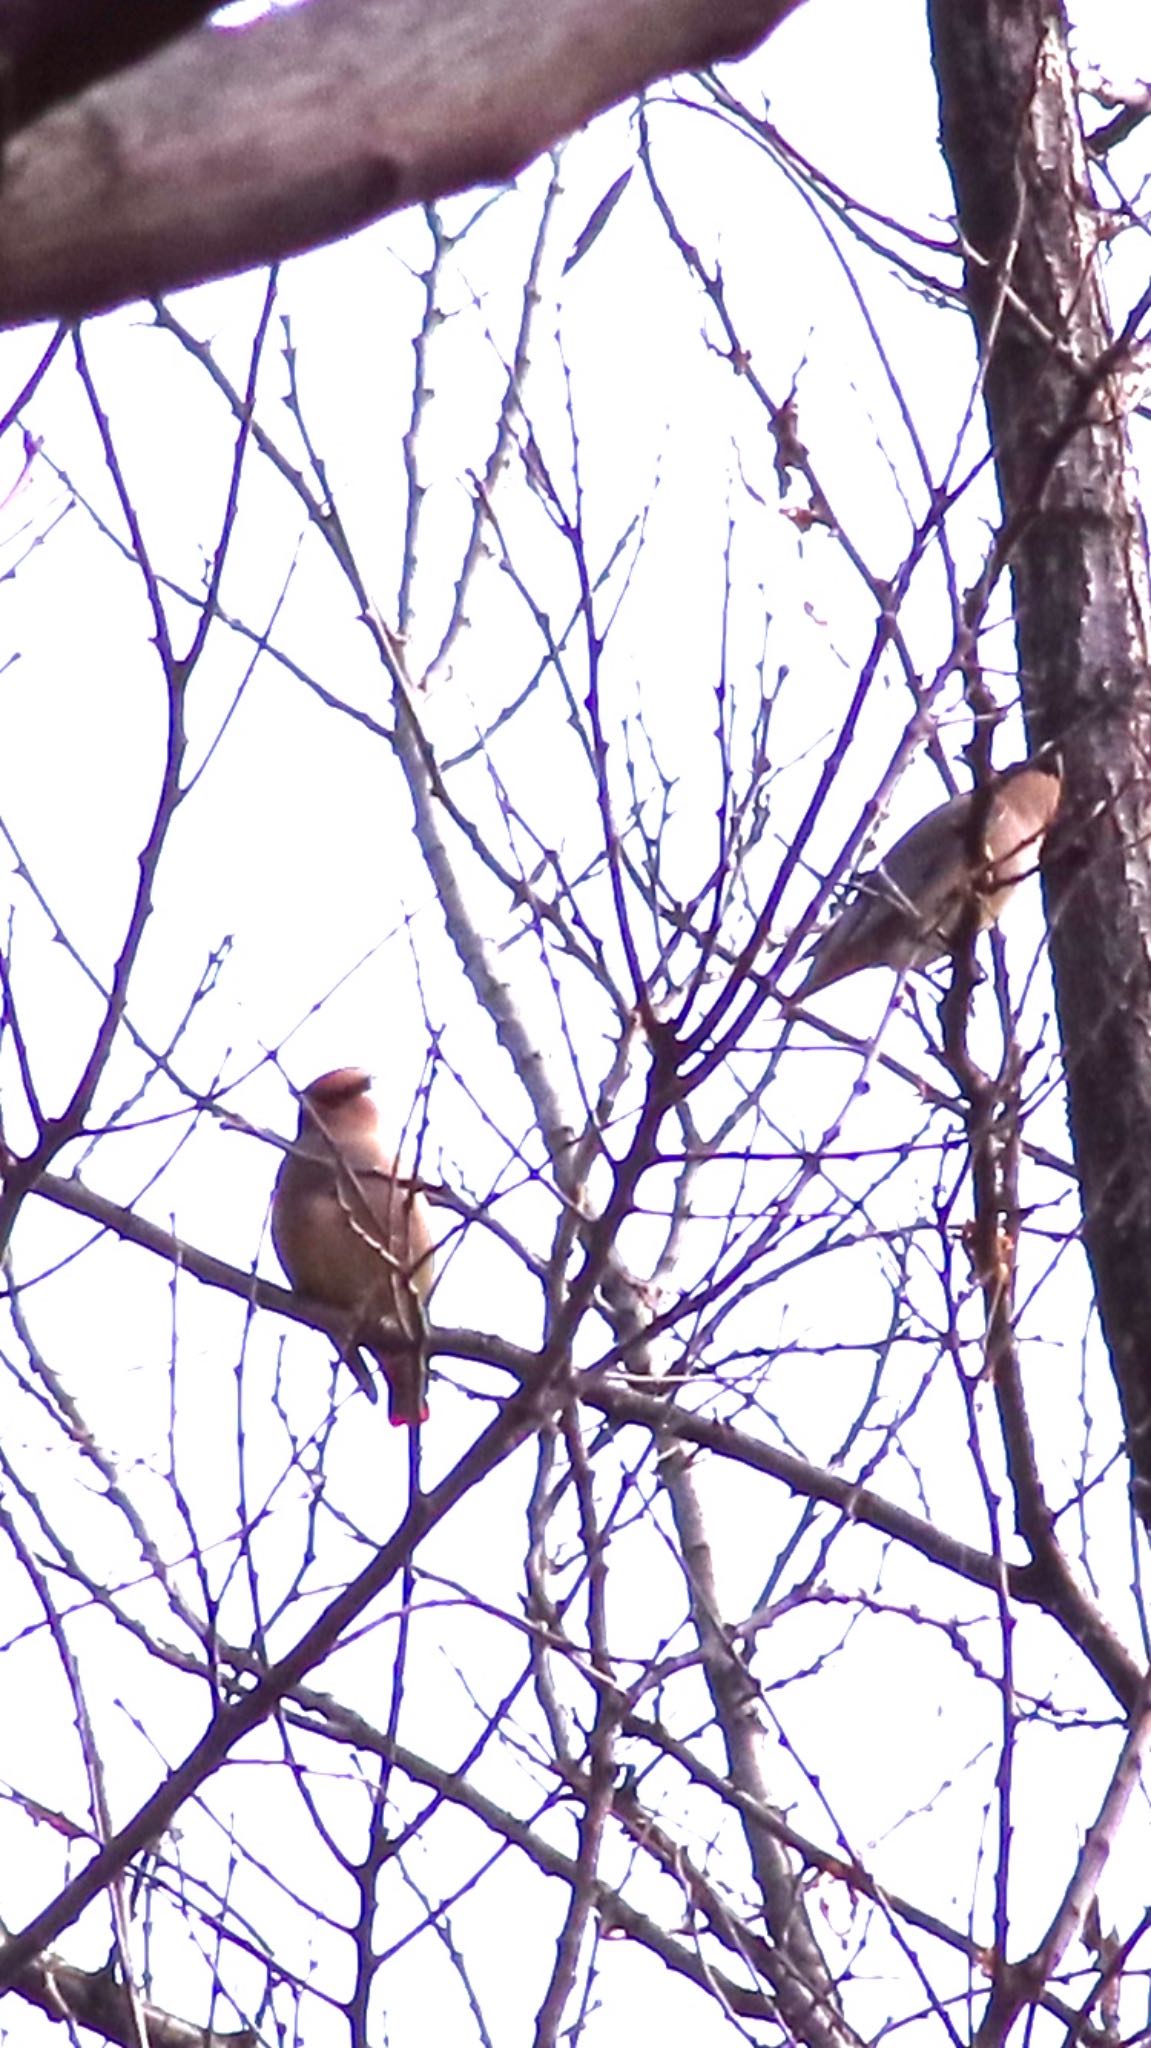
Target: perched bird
pixel 911 909
pixel 355 1237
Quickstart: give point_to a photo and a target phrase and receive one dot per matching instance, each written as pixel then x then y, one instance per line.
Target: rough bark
pixel 94 1999
pixel 809 2000
pixel 51 49
pixel 1079 563
pixel 230 148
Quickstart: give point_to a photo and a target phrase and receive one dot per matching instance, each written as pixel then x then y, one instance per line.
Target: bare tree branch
pixel 51 49
pixel 94 1999
pixel 236 147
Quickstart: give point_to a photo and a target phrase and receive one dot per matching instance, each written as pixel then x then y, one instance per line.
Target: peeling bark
pixel 236 147
pixel 1079 563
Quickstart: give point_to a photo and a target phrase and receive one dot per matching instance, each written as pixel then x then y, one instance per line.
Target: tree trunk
pixel 1079 564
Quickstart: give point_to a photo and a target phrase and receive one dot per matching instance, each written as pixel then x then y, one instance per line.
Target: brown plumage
pixel 911 908
pixel 353 1236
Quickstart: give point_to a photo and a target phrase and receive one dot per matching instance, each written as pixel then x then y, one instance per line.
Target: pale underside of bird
pixel 950 875
pixel 353 1234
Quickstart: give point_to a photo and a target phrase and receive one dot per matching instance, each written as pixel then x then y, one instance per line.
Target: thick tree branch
pixel 1047 1582
pixel 232 148
pixel 52 49
pixel 808 1997
pixel 93 1999
pixel 299 1308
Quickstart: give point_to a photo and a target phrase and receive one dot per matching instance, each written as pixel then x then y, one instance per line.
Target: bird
pixel 351 1234
pixel 913 906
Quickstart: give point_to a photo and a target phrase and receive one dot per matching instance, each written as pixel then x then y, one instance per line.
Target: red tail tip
pixel 409 1421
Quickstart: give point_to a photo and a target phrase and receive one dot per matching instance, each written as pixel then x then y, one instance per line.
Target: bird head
pixel 343 1084
pixel 339 1100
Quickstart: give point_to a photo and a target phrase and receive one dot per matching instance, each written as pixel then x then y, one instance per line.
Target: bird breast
pixel 346 1237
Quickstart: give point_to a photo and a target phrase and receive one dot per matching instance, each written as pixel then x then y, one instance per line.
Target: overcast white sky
pixel 295 851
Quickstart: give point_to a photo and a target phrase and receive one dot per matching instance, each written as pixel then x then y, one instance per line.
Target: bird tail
pixel 406 1372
